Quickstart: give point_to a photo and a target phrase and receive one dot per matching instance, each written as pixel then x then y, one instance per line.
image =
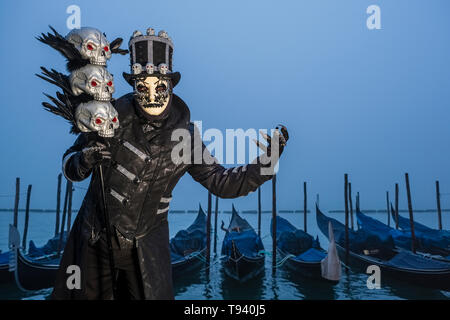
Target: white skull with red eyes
pixel 163 34
pixel 97 116
pixel 91 43
pixel 150 68
pixel 92 80
pixel 163 69
pixel 137 68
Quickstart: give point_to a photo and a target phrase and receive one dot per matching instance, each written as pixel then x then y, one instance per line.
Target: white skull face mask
pixel 93 80
pixel 153 94
pixel 96 116
pixel 91 43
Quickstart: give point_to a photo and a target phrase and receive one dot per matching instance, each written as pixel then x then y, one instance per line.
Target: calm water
pixel 281 285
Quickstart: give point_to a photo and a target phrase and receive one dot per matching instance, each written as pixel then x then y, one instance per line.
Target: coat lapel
pixel 140 137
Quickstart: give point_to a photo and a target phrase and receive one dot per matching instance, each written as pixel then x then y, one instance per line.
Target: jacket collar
pixel 179 117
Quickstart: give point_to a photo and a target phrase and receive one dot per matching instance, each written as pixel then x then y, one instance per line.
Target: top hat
pixel 151 54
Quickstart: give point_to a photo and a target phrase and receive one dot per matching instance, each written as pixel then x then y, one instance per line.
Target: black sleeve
pixel 227 182
pixel 71 164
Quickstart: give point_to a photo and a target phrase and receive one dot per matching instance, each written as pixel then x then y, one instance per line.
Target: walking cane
pixel 108 233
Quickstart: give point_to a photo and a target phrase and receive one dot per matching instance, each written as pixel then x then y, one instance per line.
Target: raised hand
pixel 280 138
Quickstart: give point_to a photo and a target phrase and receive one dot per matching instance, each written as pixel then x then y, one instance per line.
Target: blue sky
pixel 370 103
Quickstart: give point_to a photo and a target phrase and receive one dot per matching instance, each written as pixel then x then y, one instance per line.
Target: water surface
pixel 279 285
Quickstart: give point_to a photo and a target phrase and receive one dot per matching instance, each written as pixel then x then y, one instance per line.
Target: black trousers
pixel 98 278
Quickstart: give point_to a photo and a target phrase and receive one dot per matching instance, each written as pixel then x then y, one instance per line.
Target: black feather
pixel 68 50
pixel 56 78
pixel 62 81
pixel 115 44
pixel 73 65
pixel 121 51
pixel 62 107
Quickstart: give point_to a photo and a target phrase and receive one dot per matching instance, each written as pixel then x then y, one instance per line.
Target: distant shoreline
pixel 245 211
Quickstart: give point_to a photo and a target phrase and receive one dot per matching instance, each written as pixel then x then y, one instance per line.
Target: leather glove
pixel 280 137
pixel 94 154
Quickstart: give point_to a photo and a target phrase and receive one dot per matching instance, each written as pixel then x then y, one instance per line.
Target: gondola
pixel 5 275
pixel 366 250
pixel 188 247
pixel 426 242
pixel 424 231
pixel 242 250
pixel 301 253
pixel 31 273
pixel 34 254
pixel 404 224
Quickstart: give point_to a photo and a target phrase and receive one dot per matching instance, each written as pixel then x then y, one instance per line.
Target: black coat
pixel 139 183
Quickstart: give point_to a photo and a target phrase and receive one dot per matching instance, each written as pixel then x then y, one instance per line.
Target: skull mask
pixel 97 116
pixel 153 94
pixel 93 80
pixel 91 44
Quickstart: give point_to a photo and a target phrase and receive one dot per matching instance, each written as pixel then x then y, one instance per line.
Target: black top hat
pixel 151 55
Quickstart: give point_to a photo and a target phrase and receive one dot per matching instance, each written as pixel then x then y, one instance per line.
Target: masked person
pixel 140 172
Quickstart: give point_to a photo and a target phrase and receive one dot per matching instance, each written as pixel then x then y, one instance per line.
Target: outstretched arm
pixel 237 181
pixel 228 183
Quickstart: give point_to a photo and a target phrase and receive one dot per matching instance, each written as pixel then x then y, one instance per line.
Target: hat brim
pixel 130 78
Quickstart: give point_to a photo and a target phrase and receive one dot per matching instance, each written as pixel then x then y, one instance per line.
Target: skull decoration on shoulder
pixel 93 80
pixel 91 43
pixel 97 116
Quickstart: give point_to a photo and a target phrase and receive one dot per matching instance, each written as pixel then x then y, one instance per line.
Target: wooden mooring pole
pixel 274 222
pixel 392 211
pixel 58 204
pixel 216 212
pixel 387 209
pixel 396 206
pixel 346 218
pixel 208 233
pixel 438 202
pixel 259 211
pixel 27 218
pixel 305 208
pixel 357 202
pixel 69 208
pixel 411 216
pixel 351 204
pixel 16 202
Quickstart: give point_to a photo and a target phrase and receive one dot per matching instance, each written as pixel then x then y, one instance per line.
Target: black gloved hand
pixel 282 137
pixel 95 153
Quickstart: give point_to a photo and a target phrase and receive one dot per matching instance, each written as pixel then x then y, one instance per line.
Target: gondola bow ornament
pixel 14 246
pixel 331 265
